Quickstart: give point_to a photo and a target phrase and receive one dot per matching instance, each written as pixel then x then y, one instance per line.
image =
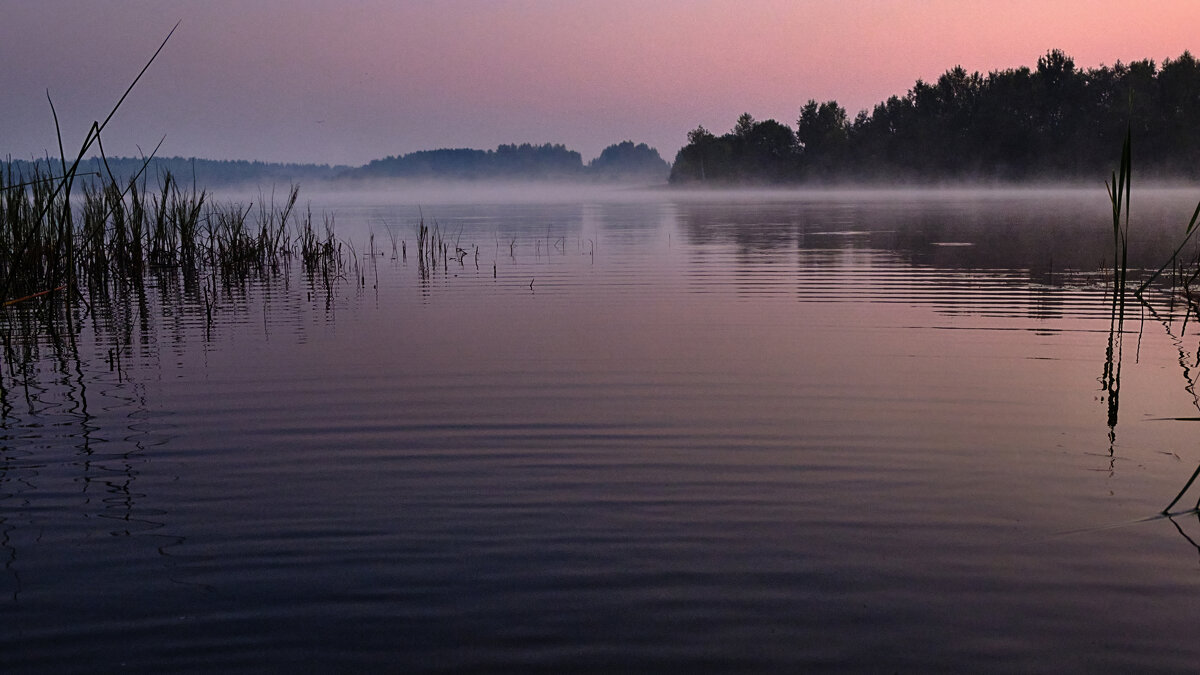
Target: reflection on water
pixel 648 433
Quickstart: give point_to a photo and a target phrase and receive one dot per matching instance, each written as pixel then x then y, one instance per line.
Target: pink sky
pixel 347 82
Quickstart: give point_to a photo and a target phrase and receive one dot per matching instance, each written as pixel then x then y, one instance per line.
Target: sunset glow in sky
pixel 346 82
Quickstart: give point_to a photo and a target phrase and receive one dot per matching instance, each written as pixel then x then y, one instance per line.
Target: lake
pixel 621 431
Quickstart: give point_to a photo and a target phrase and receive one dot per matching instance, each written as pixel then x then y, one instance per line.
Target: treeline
pixel 520 162
pixel 508 161
pixel 625 161
pixel 1053 122
pixel 629 161
pixel 206 173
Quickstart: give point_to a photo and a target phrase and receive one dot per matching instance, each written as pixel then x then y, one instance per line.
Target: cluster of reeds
pixel 39 242
pixel 36 234
pixel 78 231
pixel 431 247
pixel 320 253
pixel 122 229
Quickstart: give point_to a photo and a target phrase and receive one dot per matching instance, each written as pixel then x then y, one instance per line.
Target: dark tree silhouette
pixel 751 151
pixel 1054 121
pixel 627 161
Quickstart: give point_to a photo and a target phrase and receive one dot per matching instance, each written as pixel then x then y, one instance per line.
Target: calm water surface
pixel 627 433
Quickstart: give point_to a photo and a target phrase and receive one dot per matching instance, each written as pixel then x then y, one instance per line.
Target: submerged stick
pixel 1181 492
pixel 1187 235
pixel 41 293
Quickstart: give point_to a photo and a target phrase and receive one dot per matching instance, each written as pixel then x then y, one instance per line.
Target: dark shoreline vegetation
pixel 624 162
pixel 1051 123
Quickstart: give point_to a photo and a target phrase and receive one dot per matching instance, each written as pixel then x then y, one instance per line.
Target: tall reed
pixel 119 228
pixel 1119 196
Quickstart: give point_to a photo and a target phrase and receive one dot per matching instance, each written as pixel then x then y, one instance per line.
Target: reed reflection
pixel 1110 379
pixel 77 417
pixel 1187 537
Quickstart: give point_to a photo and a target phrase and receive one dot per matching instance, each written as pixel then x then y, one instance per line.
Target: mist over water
pixel 624 430
pixel 1009 226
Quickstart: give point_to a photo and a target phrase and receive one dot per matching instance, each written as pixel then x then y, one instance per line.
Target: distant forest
pixel 621 161
pixel 625 161
pixel 207 173
pixel 1050 123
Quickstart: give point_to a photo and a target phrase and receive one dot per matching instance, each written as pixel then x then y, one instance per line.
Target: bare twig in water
pixel 1179 496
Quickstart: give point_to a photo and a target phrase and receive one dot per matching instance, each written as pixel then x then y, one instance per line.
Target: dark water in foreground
pixel 776 434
